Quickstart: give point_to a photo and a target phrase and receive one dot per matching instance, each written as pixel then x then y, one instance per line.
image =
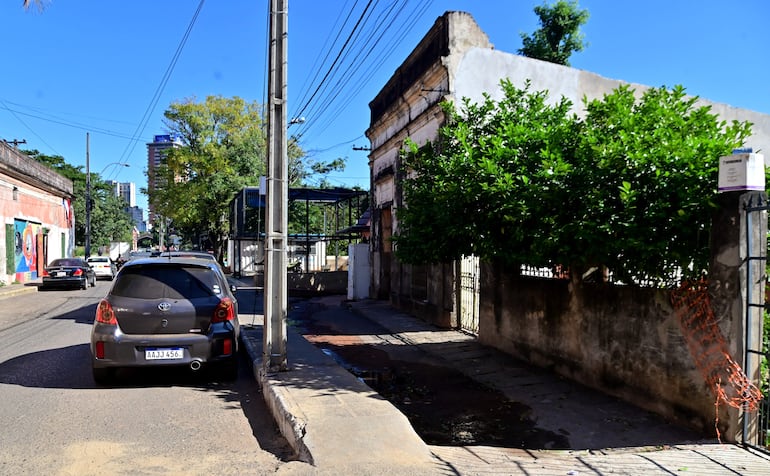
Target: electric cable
pixel 331 105
pixel 359 56
pixel 13 113
pixel 62 122
pixel 339 55
pixel 328 48
pixel 159 90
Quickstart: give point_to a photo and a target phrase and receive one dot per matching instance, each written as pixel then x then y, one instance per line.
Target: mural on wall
pixel 25 254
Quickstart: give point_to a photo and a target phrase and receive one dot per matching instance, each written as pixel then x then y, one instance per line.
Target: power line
pixel 339 55
pixel 328 47
pixel 14 114
pixel 384 25
pixel 74 125
pixel 58 114
pixel 343 76
pixel 357 61
pixel 164 80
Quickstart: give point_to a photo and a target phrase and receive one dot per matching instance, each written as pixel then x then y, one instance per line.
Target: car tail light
pixel 77 272
pixel 99 350
pixel 45 273
pixel 105 314
pixel 227 347
pixel 225 311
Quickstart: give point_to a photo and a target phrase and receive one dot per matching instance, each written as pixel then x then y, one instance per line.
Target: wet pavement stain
pixel 444 406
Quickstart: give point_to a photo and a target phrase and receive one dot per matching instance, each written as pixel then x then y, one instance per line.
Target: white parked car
pixel 103 267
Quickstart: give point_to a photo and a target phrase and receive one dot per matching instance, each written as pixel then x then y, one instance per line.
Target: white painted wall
pixel 481 70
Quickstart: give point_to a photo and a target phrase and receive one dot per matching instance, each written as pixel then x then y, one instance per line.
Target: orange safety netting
pixel 709 349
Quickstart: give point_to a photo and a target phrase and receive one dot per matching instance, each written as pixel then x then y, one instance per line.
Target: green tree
pixel 559 33
pixel 222 150
pixel 109 219
pixel 499 167
pixel 645 181
pixel 631 186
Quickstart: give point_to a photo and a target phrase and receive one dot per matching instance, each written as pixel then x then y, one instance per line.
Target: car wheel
pixel 93 282
pixel 84 284
pixel 103 376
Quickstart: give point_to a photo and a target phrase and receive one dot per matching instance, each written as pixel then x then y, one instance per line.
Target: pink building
pixel 37 214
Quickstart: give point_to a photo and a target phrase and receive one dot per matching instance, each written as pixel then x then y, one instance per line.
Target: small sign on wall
pixel 741 171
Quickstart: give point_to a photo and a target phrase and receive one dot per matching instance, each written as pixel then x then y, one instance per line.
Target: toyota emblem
pixel 164 306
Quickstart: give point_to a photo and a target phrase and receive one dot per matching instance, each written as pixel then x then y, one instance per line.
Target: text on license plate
pixel 163 354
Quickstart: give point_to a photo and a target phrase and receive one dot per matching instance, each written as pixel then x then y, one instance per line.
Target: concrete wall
pixel 629 342
pixel 246 256
pixel 624 341
pixel 426 291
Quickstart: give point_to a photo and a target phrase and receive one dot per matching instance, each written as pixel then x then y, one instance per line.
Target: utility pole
pixel 88 198
pixel 15 142
pixel 276 221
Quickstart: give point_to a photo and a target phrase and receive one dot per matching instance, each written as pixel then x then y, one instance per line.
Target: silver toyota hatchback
pixel 167 312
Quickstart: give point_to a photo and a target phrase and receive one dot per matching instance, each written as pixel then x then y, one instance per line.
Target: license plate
pixel 61 274
pixel 163 354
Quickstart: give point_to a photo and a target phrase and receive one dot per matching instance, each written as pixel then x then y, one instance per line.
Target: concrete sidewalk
pixel 10 290
pixel 341 426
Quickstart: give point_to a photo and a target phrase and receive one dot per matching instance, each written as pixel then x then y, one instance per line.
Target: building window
pixel 15 193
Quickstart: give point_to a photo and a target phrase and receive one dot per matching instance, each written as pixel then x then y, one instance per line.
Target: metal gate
pixel 469 294
pixel 756 426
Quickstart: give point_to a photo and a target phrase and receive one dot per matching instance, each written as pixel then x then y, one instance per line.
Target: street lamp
pixel 122 164
pixel 88 194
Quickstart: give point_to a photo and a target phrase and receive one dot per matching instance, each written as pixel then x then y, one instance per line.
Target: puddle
pixel 444 406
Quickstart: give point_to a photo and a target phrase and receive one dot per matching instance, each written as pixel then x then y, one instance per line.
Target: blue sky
pixel 99 67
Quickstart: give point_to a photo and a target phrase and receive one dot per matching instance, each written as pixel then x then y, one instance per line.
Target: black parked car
pixel 68 273
pixel 170 311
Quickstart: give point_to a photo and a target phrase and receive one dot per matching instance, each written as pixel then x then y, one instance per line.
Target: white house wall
pixel 481 70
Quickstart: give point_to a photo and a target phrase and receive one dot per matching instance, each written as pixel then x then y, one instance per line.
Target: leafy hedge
pixel 524 180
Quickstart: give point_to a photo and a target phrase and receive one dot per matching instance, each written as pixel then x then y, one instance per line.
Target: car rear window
pixel 172 282
pixel 98 260
pixel 67 262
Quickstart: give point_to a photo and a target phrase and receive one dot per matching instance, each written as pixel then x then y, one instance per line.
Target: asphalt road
pixel 55 420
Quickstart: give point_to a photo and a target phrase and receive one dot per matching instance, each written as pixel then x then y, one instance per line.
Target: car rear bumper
pixel 63 282
pixel 123 350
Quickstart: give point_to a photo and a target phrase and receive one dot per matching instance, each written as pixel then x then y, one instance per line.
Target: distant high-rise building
pixel 126 191
pixel 137 214
pixel 156 150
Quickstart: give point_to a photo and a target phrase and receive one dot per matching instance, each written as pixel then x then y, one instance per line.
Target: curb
pixel 286 413
pixel 15 291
